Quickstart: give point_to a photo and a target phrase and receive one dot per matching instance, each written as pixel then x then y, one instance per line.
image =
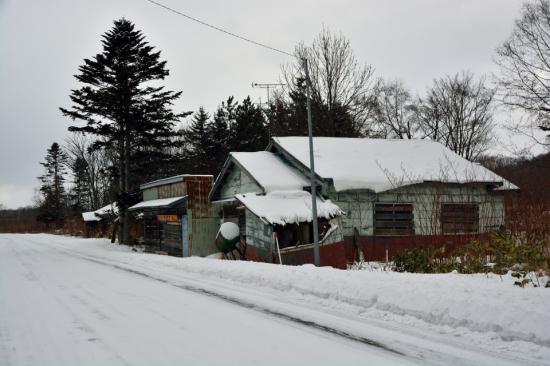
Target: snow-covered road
pixel 66 304
pixel 58 309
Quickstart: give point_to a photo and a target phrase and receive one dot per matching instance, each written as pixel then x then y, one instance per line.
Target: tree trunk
pixel 121 204
pixel 125 217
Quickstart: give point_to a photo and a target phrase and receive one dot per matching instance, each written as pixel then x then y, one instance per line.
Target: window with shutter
pixel 459 218
pixel 393 219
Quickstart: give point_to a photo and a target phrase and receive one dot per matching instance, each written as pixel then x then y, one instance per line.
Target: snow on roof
pixel 381 164
pixel 90 216
pixel 287 207
pixel 270 171
pixel 160 203
pixel 97 215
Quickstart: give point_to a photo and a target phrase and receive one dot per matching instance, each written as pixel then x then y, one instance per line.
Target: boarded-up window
pixel 459 218
pixel 393 219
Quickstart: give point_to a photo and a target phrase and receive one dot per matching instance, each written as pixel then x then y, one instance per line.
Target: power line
pixel 220 29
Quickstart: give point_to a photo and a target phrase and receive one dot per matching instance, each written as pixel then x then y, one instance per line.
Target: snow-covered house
pixel 376 197
pixel 177 215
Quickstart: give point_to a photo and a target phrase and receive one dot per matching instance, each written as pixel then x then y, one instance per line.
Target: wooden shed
pixel 177 216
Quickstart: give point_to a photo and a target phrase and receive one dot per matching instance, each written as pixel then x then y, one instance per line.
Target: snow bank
pixel 382 164
pixel 477 302
pixel 287 207
pixel 488 304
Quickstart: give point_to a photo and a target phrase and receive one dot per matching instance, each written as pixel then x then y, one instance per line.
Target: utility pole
pixel 316 254
pixel 267 86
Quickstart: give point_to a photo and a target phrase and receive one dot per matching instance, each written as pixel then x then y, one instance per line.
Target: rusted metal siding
pixel 375 248
pixel 332 254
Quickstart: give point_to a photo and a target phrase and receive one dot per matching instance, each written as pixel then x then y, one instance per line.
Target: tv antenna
pixel 268 87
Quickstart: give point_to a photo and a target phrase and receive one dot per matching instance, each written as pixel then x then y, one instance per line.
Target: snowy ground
pixel 67 301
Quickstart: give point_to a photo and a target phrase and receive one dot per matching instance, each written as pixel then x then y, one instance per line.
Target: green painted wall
pixel 202 234
pixel 150 194
pixel 235 182
pixel 426 199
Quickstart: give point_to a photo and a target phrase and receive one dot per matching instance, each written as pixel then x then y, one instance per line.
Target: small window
pixel 459 218
pixel 393 219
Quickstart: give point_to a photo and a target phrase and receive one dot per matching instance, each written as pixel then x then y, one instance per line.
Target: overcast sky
pixel 42 43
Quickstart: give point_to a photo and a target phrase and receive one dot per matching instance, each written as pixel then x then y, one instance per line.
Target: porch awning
pixel 287 207
pixel 162 203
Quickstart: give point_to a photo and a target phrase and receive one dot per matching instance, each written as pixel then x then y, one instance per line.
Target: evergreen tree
pixel 249 131
pixel 80 193
pixel 121 105
pixel 197 142
pixel 52 209
pixel 219 135
pixel 288 116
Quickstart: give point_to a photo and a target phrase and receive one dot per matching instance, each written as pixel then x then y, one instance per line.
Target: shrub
pixel 416 260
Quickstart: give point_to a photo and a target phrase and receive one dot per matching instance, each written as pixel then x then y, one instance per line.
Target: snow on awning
pixel 287 207
pixel 160 203
pixel 99 214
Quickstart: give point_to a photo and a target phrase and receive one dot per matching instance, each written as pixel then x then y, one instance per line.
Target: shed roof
pixel 159 203
pixel 287 207
pixel 382 164
pixel 169 180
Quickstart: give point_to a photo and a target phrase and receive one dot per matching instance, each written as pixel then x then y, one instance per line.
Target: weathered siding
pixel 172 190
pixel 259 235
pixel 426 200
pixel 150 194
pixel 358 211
pixel 235 182
pixel 202 235
pixel 202 218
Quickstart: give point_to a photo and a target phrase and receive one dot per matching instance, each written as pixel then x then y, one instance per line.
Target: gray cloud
pixel 43 43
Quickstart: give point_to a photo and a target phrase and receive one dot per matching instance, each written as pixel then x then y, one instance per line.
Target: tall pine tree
pixel 219 136
pixel 80 192
pixel 249 131
pixel 52 209
pixel 121 105
pixel 197 142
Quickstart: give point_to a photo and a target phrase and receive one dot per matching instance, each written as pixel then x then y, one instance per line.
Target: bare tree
pixel 98 163
pixel 339 81
pixel 524 61
pixel 458 112
pixel 396 118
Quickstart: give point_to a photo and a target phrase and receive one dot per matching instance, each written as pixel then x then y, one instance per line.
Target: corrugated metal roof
pixel 160 203
pixel 169 180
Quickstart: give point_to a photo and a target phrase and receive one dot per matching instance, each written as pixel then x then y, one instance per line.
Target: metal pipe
pixel 316 254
